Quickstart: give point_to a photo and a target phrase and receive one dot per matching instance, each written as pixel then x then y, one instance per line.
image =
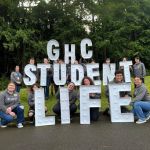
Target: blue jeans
pixel 46 88
pixel 6 118
pixel 141 109
pixel 18 87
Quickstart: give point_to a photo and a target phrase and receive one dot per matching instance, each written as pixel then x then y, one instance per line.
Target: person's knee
pixel 73 108
pixel 9 118
pixel 20 109
pixel 56 109
pixel 136 104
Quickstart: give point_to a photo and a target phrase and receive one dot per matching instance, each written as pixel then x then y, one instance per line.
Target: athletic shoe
pixel 148 117
pixel 19 125
pixel 3 126
pixel 140 121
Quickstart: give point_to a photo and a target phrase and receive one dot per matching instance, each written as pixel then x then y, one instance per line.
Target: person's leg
pixel 47 89
pixel 73 109
pixel 19 113
pixel 140 109
pixel 94 114
pixel 5 118
pixel 18 88
pixel 56 109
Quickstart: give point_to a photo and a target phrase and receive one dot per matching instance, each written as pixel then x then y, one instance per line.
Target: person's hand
pixel 92 94
pixel 8 110
pixel 126 96
pixel 13 114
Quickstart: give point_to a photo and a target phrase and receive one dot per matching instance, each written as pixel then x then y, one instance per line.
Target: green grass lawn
pixel 50 102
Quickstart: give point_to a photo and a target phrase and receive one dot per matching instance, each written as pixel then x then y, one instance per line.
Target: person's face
pixel 17 68
pixel 107 61
pixel 119 77
pixel 35 87
pixel 137 81
pixel 46 61
pixel 61 61
pixel 32 61
pixel 137 60
pixel 75 62
pixel 11 87
pixel 87 82
pixel 124 59
pixel 70 86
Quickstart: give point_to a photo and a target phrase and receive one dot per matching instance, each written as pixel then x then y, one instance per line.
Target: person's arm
pixel 21 77
pixel 31 100
pixel 12 77
pixel 140 95
pixel 144 70
pixel 16 102
pixel 73 97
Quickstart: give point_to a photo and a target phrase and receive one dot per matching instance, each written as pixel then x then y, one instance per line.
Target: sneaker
pixel 3 126
pixel 19 125
pixel 140 121
pixel 148 117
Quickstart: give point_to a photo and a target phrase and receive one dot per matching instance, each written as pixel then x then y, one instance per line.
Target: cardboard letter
pixel 116 101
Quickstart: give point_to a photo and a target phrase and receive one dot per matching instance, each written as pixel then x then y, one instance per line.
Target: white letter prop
pixel 53 54
pixel 116 101
pixel 31 79
pixel 126 67
pixel 86 42
pixel 70 53
pixel 43 75
pixel 86 103
pixel 74 70
pixel 40 119
pixel 92 72
pixel 64 104
pixel 108 73
pixel 59 74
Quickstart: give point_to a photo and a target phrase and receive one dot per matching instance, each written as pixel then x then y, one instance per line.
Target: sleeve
pixel 2 103
pixel 30 100
pixel 73 98
pixel 12 78
pixel 144 70
pixel 139 96
pixel 21 77
pixel 16 102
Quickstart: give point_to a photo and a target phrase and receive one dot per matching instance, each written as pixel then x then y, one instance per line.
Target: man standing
pixel 16 78
pixel 139 69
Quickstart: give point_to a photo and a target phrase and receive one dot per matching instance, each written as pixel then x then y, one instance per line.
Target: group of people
pixel 11 108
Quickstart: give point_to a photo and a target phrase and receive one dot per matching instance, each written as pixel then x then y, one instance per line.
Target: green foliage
pixel 118 28
pixel 3 83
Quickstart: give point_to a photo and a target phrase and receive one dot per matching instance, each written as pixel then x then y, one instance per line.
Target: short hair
pixel 118 72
